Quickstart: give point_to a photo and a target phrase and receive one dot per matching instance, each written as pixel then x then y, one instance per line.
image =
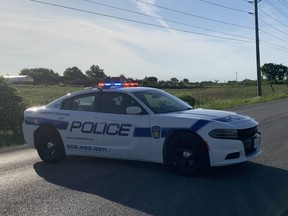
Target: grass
pixel 225 96
pixel 216 97
pixel 8 138
pixel 221 96
pixel 35 95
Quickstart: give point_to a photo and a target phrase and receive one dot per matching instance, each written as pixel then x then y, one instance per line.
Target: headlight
pixel 224 133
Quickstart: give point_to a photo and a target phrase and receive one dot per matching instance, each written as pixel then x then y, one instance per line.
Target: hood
pixel 214 115
pixel 35 108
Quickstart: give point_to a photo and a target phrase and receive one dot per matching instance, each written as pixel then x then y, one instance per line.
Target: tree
pixel 274 71
pixel 74 76
pixel 162 84
pixel 150 81
pixel 41 75
pixel 12 107
pixel 96 73
pixel 174 80
pixel 73 73
pixel 186 81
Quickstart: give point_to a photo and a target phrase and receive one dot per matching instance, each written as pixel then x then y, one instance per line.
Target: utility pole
pixel 257 48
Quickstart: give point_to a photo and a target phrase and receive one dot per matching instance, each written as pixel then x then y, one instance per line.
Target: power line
pixel 172 21
pixel 139 22
pixel 273 18
pixel 272 35
pixel 284 49
pixel 273 26
pixel 277 8
pixel 154 25
pixel 168 20
pixel 263 43
pixel 284 3
pixel 223 6
pixel 189 14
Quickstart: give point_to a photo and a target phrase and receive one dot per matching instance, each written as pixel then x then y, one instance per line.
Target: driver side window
pixel 114 102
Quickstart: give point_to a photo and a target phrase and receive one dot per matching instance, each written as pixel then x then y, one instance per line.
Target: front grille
pixel 247 133
pixel 247 136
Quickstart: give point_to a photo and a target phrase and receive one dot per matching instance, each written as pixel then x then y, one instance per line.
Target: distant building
pixel 20 79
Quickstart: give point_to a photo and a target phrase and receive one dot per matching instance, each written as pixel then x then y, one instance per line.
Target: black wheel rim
pixel 186 156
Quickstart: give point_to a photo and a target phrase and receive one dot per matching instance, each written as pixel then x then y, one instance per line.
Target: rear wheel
pixel 49 145
pixel 188 155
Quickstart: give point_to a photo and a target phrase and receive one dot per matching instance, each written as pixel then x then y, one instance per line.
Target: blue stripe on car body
pixel 146 132
pixel 142 132
pixel 199 124
pixel 61 125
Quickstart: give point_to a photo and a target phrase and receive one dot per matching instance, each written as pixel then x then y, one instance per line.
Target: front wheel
pixel 50 146
pixel 188 155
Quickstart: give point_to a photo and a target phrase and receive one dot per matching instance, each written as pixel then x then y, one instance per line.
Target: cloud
pixel 150 10
pixel 59 42
pixel 119 49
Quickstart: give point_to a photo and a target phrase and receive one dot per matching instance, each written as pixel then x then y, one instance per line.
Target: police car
pixel 121 120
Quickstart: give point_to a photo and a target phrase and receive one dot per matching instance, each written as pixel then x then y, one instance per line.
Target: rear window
pixel 85 102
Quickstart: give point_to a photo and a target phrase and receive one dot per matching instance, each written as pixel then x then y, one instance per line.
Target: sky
pixel 198 40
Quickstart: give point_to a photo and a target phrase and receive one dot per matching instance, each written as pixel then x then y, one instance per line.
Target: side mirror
pixel 133 110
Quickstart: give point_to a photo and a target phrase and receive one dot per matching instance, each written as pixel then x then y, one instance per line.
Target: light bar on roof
pixel 117 85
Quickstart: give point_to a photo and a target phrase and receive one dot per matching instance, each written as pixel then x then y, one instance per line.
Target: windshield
pixel 161 102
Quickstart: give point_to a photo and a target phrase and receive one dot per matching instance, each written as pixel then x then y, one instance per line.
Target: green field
pixel 225 96
pixel 216 96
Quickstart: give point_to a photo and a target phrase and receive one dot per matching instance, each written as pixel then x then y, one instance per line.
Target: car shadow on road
pixel 244 189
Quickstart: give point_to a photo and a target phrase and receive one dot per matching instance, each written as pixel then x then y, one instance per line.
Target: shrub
pixel 189 99
pixel 11 108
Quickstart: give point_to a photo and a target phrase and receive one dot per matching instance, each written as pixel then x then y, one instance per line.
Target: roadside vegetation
pixel 12 106
pixel 228 96
pixel 216 96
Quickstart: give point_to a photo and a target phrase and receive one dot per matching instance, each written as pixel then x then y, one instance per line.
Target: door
pixel 123 135
pixel 80 137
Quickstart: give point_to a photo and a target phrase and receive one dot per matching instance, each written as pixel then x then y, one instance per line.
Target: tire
pixel 49 145
pixel 188 155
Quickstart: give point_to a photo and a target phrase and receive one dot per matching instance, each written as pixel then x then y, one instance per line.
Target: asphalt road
pixel 93 186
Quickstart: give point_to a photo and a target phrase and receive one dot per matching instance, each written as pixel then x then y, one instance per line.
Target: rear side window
pixel 80 103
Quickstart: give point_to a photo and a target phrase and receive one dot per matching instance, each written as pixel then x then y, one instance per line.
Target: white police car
pixel 140 123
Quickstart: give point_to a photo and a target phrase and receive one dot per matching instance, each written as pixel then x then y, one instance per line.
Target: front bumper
pixel 227 152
